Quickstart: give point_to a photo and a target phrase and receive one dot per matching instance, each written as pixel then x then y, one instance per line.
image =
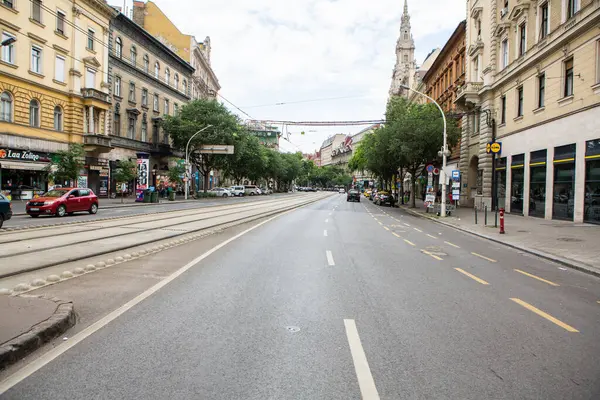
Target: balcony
pixel 468 93
pixel 93 97
pixel 94 143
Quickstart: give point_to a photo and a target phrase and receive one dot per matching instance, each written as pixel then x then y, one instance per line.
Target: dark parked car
pixel 5 210
pixel 63 201
pixel 384 198
pixel 353 195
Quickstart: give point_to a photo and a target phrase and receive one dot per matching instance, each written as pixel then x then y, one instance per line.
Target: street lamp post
pixel 444 151
pixel 187 160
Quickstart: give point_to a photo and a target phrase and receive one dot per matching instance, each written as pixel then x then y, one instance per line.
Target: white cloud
pixel 270 51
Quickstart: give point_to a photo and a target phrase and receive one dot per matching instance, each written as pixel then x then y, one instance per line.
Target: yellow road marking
pixel 379 222
pixel 418 230
pixel 409 242
pixel 462 271
pixel 432 255
pixel 598 302
pixel 398 236
pixel 484 257
pixel 544 315
pixel 406 224
pixel 452 244
pixel 375 219
pixel 431 236
pixel 386 228
pixel 537 277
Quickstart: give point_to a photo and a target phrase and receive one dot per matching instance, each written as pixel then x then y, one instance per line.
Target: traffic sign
pixel 436 171
pixel 430 168
pixel 493 147
pixel 456 174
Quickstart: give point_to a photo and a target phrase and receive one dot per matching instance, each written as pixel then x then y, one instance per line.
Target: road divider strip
pixel 366 383
pixel 462 271
pixel 484 257
pixel 544 315
pixel 536 277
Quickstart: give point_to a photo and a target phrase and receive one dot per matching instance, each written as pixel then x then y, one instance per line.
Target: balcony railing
pixel 469 92
pixel 97 140
pixel 90 93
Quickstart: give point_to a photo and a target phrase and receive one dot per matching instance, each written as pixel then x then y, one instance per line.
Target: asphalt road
pixel 19 221
pixel 338 299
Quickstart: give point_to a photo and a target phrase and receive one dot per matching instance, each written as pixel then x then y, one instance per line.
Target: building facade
pixel 329 144
pixel 54 88
pixel 417 83
pixel 148 82
pixel 405 68
pixel 205 84
pixel 533 77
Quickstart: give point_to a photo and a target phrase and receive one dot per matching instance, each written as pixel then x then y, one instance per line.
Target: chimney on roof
pixel 139 10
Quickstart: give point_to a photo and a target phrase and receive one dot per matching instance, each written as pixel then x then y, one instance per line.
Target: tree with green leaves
pixel 126 171
pixel 66 165
pixel 176 171
pixel 248 160
pixel 193 117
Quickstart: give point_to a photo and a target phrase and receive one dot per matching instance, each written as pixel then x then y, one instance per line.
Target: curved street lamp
pixel 187 160
pixel 444 151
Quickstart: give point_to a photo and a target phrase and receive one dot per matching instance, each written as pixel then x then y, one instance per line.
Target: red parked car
pixel 63 201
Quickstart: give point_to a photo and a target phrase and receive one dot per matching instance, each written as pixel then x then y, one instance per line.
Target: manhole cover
pixel 568 239
pixel 292 329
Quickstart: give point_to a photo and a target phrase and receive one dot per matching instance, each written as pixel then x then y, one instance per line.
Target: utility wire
pixel 305 101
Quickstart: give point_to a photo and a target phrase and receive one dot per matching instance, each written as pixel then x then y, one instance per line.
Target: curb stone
pixel 63 318
pixel 563 261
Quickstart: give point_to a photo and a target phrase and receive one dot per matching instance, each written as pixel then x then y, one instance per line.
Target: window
pixel 36 60
pixel 476 123
pixel 58 118
pixel 34 113
pixel 157 70
pixel 145 97
pixel 144 131
pixel 8 3
pixel 503 109
pixel 478 29
pixel 117 124
pixel 119 47
pixel 405 35
pixel 176 81
pixel 59 69
pixel 60 22
pixel 504 53
pixel 90 43
pixel 118 86
pixel 131 127
pixel 90 78
pixel 166 110
pixel 36 10
pixel 175 109
pixel 571 8
pixel 541 90
pixel 476 69
pixel 520 101
pixel 133 54
pixel 167 76
pixel 132 91
pixel 569 77
pixel 8 51
pixel 155 104
pixel 146 63
pixel 522 39
pixel 406 58
pixel 544 21
pixel 6 105
pixel 184 86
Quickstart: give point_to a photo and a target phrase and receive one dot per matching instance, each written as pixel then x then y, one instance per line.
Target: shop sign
pixel 23 155
pixel 493 147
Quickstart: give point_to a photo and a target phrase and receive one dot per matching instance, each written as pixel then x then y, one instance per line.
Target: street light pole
pixel 444 151
pixel 187 159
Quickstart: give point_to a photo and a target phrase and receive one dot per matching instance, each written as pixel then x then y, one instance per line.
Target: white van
pixel 251 190
pixel 237 190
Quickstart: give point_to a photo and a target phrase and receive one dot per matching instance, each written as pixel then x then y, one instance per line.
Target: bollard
pixel 485 217
pixel 496 218
pixel 475 208
pixel 502 221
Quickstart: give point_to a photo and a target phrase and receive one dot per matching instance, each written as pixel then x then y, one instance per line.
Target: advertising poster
pixel 82 181
pixel 103 191
pixel 143 166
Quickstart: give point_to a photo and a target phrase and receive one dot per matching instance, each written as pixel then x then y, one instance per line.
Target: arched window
pixel 157 70
pixel 58 118
pixel 133 53
pixel 6 107
pixel 34 113
pixel 119 47
pixel 176 81
pixel 184 86
pixel 167 76
pixel 146 63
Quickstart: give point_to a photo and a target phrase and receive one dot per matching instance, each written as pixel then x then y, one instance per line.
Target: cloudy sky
pixel 272 51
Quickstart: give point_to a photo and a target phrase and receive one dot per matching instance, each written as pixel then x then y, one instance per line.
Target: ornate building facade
pixel 405 68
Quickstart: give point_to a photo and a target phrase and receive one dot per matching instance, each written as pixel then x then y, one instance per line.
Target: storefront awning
pixel 27 166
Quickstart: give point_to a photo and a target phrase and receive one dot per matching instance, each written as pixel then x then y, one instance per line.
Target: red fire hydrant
pixel 502 221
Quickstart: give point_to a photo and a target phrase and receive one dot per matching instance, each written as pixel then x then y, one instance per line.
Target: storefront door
pixel 592 182
pixel 564 182
pixel 517 170
pixel 537 184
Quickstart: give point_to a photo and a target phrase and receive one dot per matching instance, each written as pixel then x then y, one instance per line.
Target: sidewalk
pixel 572 244
pixel 29 322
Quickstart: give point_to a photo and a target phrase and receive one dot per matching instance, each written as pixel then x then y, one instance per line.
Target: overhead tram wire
pixel 305 101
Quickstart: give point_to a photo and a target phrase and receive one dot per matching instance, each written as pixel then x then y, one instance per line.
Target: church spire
pixel 405 7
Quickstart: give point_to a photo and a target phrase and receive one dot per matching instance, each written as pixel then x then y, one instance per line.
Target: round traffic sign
pixel 430 168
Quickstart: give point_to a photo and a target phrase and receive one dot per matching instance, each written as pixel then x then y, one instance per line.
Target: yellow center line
pixel 537 277
pixel 431 236
pixel 432 255
pixel 484 257
pixel 409 242
pixel 375 219
pixel 398 236
pixel 379 222
pixel 544 315
pixel 386 228
pixel 418 230
pixel 462 271
pixel 406 224
pixel 452 244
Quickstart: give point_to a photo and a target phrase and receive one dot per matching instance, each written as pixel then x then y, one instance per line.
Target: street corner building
pixel 532 85
pixel 53 89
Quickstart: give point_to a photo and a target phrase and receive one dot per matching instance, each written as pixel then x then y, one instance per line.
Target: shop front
pixel 98 175
pixel 592 182
pixel 564 182
pixel 517 179
pixel 537 184
pixel 23 173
